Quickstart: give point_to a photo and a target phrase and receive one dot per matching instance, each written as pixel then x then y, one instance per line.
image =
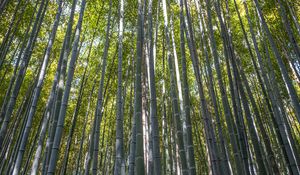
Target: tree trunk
pixel 62 113
pixel 119 162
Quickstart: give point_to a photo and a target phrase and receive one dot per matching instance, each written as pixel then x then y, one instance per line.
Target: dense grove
pixel 172 87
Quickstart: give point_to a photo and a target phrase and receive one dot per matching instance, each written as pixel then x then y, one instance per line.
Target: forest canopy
pixel 156 87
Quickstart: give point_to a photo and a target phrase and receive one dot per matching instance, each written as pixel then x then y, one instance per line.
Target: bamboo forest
pixel 150 87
